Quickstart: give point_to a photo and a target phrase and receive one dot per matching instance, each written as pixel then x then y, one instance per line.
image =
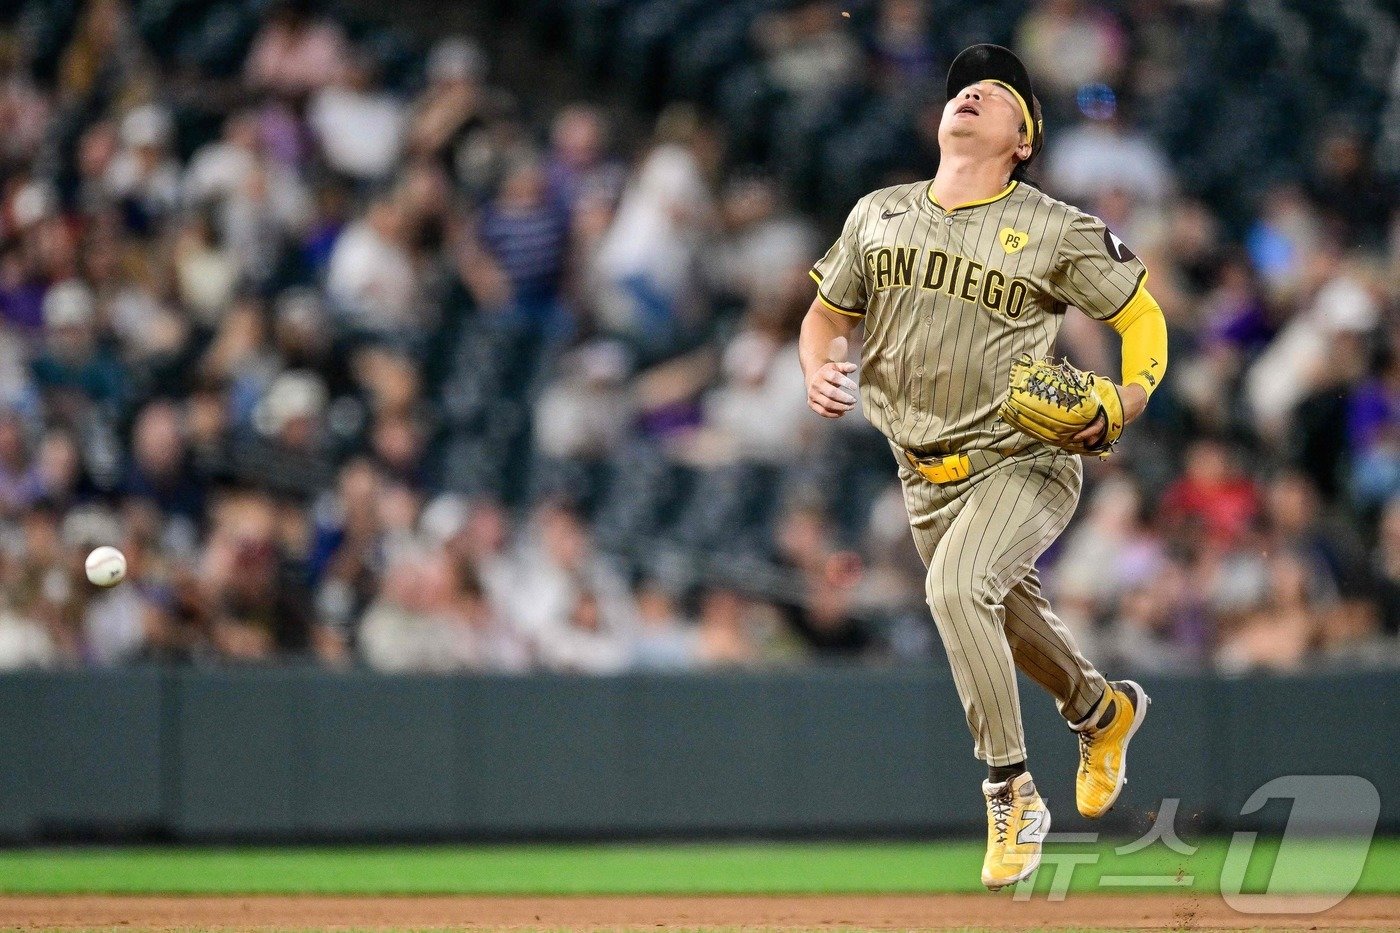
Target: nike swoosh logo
pixel 886 215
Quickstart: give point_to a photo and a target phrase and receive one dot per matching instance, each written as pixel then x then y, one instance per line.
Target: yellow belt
pixel 959 466
pixel 941 470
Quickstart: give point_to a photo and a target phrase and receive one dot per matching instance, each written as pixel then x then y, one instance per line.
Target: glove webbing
pixel 1061 386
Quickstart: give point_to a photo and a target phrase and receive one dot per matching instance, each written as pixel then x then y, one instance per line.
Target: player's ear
pixel 1023 151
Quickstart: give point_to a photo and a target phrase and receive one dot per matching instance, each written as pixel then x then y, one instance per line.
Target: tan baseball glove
pixel 1053 401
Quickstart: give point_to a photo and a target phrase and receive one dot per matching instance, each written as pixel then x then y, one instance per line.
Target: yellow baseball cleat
pixel 1103 752
pixel 1017 821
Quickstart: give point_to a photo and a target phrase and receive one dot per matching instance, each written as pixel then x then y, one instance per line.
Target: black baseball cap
pixel 988 62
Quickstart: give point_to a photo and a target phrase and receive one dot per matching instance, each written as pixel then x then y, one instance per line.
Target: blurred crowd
pixel 369 359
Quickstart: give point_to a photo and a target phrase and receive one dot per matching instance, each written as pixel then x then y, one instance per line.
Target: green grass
pixel 816 868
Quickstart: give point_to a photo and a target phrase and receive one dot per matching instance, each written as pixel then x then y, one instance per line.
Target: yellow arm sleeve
pixel 1144 331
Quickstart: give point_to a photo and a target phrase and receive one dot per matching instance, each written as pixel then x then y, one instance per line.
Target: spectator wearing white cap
pixel 291 452
pixel 74 369
pixel 143 176
pixel 291 411
pixel 451 106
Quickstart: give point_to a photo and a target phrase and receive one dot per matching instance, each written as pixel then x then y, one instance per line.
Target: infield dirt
pixel 882 912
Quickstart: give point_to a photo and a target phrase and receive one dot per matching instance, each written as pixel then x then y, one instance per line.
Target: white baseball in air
pixel 106 566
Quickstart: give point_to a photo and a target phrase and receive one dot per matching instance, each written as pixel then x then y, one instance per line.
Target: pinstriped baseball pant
pixel 980 539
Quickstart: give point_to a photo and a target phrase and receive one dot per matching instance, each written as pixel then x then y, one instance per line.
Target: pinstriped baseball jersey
pixel 950 297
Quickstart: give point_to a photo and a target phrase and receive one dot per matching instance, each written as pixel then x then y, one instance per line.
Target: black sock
pixel 998 774
pixel 1111 713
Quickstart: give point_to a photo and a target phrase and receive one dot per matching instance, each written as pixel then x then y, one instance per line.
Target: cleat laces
pixel 1001 813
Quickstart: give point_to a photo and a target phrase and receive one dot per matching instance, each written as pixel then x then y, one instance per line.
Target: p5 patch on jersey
pixel 1013 241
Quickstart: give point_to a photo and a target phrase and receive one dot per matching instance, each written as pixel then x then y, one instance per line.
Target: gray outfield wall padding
pixel 299 754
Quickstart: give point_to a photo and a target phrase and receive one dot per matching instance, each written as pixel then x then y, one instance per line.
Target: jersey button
pixel 948 221
pixel 919 371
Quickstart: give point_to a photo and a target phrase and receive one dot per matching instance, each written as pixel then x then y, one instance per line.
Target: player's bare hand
pixel 1093 432
pixel 1134 399
pixel 831 392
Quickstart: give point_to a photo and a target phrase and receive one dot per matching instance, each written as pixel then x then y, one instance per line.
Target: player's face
pixel 985 117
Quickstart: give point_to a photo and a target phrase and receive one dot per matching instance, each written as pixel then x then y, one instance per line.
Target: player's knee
pixel 952 593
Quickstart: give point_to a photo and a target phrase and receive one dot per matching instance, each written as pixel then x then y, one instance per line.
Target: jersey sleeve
pixel 840 274
pixel 1094 270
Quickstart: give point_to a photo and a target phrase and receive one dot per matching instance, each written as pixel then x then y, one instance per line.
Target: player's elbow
pixel 820 314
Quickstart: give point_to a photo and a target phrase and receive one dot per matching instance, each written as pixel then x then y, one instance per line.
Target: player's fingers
pixel 831 397
pixel 837 371
pixel 836 393
pixel 833 376
pixel 1091 432
pixel 839 380
pixel 820 406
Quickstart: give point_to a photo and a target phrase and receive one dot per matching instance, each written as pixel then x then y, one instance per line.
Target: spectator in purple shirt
pixel 21 293
pixel 579 163
pixel 1373 431
pixel 524 249
pixel 19 479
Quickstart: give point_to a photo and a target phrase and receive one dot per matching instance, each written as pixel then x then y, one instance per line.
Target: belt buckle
pixel 949 469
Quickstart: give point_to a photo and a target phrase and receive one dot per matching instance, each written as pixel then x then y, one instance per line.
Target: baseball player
pixel 962 284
